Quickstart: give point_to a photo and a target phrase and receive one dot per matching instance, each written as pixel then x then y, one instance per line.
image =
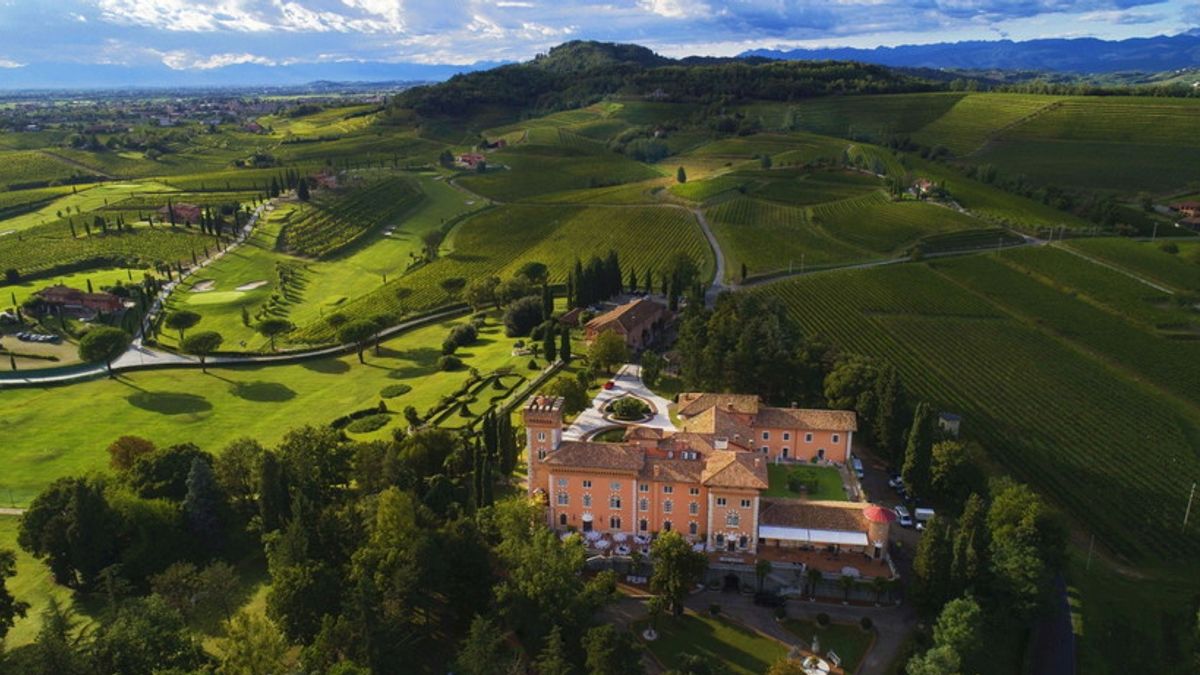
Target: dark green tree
pixel 918 454
pixel 273 327
pixel 104 344
pixel 564 345
pixel 611 652
pixel 932 564
pixel 202 345
pixel 181 320
pixel 680 175
pixel 553 659
pixel 482 651
pixel 357 333
pixel 11 609
pixel 204 506
pixel 677 568
pixel 144 638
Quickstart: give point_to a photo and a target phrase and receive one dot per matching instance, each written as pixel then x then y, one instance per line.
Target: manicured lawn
pixel 850 643
pixel 826 478
pixel 32 584
pixel 717 639
pixel 57 431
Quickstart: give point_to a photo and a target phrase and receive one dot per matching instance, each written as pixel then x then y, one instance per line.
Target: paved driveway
pixel 628 380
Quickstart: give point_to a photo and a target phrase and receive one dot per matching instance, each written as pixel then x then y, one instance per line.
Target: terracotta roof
pixel 693 403
pixel 587 455
pixel 721 424
pixel 673 470
pixel 571 318
pixel 804 418
pixel 643 433
pixel 629 315
pixel 818 515
pixel 726 468
pixel 1179 206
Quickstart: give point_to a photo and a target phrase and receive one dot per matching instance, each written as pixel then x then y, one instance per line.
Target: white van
pixel 903 517
pixel 858 467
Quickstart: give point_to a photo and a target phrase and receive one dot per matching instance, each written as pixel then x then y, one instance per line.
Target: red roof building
pixel 184 213
pixel 74 299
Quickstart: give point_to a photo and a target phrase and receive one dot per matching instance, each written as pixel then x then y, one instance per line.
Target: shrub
pixel 823 620
pixel 866 623
pixel 449 362
pixel 463 335
pixel 629 409
pixel 449 346
pixel 1169 247
pixel 11 275
pixel 533 364
pixel 522 315
pixel 369 423
pixel 394 390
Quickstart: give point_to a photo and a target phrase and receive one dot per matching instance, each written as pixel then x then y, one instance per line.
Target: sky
pixel 203 35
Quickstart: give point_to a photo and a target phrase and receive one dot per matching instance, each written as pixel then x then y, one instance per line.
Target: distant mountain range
pixel 1078 55
pixel 107 76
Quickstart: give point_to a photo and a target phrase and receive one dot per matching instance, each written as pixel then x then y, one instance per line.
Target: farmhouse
pixel 184 213
pixel 1188 209
pixel 637 322
pixel 471 160
pixel 77 302
pixel 705 485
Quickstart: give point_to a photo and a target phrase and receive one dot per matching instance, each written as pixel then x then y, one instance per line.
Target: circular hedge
pixel 394 390
pixel 629 409
pixel 369 423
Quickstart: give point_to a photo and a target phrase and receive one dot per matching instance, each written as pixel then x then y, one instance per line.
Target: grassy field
pixel 715 639
pixel 317 288
pixel 1044 404
pixel 850 643
pixel 501 239
pixel 827 480
pixel 33 584
pixel 176 406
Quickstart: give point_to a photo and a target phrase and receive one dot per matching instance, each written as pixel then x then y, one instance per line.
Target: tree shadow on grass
pixel 419 355
pixel 262 392
pixel 169 402
pixel 327 366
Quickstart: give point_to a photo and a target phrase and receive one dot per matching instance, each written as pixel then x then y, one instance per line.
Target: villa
pixel 707 481
pixel 637 322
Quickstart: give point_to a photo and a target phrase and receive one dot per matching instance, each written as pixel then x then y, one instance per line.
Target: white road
pixel 628 381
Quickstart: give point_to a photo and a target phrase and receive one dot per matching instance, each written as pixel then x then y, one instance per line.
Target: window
pixel 562 482
pixel 766 435
pixel 541 435
pixel 764 449
pixel 643 505
pixel 785 452
pixel 808 438
pixel 835 438
pixel 667 506
pixel 693 528
pixel 693 491
pixel 787 436
pixel 643 524
pixel 563 499
pixel 666 526
pixel 742 541
pixel 745 503
pixel 614 502
pixel 694 508
pixel 615 486
pixel 720 539
pixel 541 454
pixel 720 501
pixel 587 500
pixel 614 523
pixel 587 483
pixel 668 489
pixel 732 519
pixel 644 487
pixel 821 453
pixel 562 519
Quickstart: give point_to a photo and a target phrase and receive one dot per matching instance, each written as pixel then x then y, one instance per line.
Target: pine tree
pixel 202 505
pixel 933 563
pixel 681 175
pixel 302 190
pixel 888 423
pixel 970 547
pixel 553 659
pixel 273 492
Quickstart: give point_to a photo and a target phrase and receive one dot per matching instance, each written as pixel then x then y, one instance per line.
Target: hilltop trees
pixel 599 280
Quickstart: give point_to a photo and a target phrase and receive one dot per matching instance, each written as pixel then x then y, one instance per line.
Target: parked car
pixel 858 467
pixel 609 385
pixel 903 517
pixel 768 599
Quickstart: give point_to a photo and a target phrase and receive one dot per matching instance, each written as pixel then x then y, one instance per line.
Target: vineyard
pixel 973 120
pixel 1052 415
pixel 541 169
pixel 51 248
pixel 500 240
pixel 26 168
pixel 1147 259
pixel 799 188
pixel 336 219
pixel 874 118
pixel 768 237
pixel 875 223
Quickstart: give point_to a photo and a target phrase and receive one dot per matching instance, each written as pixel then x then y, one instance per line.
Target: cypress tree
pixel 547 301
pixel 970 547
pixel 918 456
pixel 633 281
pixel 564 347
pixel 272 492
pixel 888 424
pixel 581 296
pixel 549 347
pixel 932 564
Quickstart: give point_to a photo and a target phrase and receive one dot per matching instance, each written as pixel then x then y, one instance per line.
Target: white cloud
pixel 8 63
pixel 675 9
pixel 185 60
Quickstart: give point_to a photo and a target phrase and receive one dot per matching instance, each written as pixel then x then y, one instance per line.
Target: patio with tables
pixel 829 563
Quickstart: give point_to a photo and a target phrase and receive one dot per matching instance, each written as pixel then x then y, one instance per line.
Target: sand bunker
pixel 251 286
pixel 204 286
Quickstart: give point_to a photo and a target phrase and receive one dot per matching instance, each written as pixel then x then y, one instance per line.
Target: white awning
pixel 811 536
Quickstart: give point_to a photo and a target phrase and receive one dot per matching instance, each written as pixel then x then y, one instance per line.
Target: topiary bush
pixel 394 390
pixel 629 409
pixel 367 424
pixel 449 362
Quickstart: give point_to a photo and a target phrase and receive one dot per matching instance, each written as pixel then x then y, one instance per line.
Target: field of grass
pixel 499 240
pixel 25 167
pixel 1053 414
pixel 1147 260
pixel 976 117
pixel 768 237
pixel 176 406
pixel 715 639
pixel 541 169
pixel 850 643
pixel 827 480
pixel 317 288
pixel 875 223
pixel 33 584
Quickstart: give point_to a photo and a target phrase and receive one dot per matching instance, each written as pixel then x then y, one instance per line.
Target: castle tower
pixel 543 417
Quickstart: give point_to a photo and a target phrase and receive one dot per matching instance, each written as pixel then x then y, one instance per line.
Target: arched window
pixel 562 519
